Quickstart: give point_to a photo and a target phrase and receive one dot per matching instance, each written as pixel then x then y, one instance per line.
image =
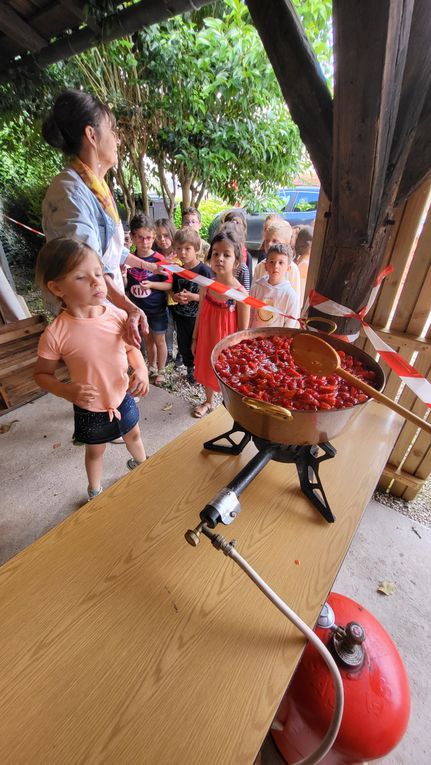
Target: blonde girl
pixel 88 336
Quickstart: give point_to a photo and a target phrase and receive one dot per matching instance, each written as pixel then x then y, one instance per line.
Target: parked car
pixel 299 209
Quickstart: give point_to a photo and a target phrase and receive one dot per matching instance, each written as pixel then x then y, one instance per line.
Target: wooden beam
pixel 80 10
pixel 418 165
pixel 301 80
pixel 370 41
pixel 119 24
pixel 416 83
pixel 12 25
pixel 405 478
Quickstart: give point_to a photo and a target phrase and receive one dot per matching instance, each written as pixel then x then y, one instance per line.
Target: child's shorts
pixel 95 427
pixel 158 322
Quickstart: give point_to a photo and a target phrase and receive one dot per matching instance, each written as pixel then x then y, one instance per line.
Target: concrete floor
pixel 42 481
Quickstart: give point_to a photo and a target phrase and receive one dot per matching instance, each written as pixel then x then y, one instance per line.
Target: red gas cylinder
pixel 376 690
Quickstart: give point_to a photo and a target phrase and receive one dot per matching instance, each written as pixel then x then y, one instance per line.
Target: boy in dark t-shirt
pixel 187 245
pixel 148 289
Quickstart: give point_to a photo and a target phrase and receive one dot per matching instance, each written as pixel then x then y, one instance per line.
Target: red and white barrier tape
pixel 408 374
pixel 33 230
pixel 229 292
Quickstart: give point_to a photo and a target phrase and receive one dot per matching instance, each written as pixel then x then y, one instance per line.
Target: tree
pixel 201 102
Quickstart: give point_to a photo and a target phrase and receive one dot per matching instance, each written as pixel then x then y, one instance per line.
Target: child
pixel 279 233
pixel 238 219
pixel 186 294
pixel 164 241
pixel 274 289
pixel 218 316
pixel 192 217
pixel 269 221
pixel 148 290
pixel 302 255
pixel 242 273
pixel 88 336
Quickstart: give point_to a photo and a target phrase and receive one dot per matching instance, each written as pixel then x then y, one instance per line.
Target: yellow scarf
pixel 99 188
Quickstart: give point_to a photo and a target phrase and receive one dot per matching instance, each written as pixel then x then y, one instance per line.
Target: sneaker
pixel 169 358
pixel 178 361
pixel 132 463
pixel 191 376
pixel 93 493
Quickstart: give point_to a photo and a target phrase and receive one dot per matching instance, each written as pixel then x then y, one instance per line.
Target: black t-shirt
pixel 180 283
pixel 151 301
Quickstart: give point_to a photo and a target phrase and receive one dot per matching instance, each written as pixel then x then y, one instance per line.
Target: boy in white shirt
pixel 275 289
pixel 279 232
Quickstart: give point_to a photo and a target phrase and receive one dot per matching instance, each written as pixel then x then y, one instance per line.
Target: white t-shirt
pixel 282 296
pixel 292 274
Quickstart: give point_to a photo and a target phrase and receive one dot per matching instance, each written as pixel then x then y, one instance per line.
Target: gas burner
pixel 225 506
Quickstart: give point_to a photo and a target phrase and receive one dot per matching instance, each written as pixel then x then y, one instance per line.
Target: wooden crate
pixel 18 355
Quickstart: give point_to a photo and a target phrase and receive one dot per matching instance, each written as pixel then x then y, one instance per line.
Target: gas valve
pixel 346 644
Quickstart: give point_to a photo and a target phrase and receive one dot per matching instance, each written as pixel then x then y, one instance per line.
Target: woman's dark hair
pixel 233 241
pixel 141 221
pixel 73 110
pixel 168 225
pixel 58 257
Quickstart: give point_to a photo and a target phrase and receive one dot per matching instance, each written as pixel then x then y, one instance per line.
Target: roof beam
pixel 81 13
pixel 12 25
pixel 301 80
pixel 371 41
pixel 418 165
pixel 414 111
pixel 119 24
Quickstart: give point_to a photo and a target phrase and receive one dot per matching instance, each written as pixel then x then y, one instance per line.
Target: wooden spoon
pixel 320 358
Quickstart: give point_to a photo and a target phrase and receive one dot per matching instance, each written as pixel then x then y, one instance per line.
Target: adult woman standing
pixel 78 202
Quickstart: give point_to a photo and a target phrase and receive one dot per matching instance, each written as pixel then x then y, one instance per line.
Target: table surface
pixel 122 644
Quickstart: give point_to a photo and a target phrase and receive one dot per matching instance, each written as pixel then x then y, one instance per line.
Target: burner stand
pixel 225 507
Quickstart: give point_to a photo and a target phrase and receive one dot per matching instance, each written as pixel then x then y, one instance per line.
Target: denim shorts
pixel 158 322
pixel 95 427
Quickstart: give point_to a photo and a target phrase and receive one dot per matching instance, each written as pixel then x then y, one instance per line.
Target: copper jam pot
pixel 270 421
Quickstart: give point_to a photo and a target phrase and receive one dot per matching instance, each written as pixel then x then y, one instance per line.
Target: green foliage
pixel 208 208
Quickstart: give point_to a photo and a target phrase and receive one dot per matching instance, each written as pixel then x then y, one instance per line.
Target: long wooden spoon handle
pixel 370 391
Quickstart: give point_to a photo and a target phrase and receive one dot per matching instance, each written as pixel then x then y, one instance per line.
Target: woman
pixel 78 202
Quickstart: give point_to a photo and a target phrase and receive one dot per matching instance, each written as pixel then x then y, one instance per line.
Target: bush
pixel 208 210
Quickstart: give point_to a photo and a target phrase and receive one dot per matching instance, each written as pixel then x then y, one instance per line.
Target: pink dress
pixel 216 321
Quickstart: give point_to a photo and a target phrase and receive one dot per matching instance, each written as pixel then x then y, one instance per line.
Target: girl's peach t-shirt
pixel 94 352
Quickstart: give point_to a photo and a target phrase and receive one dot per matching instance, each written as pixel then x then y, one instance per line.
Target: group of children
pixel 88 333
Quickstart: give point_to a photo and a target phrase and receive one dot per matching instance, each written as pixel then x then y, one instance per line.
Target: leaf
pixel 167 408
pixel 6 428
pixel 386 587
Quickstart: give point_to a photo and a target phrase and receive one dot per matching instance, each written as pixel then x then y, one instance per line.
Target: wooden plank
pixel 403 477
pixel 22 33
pixel 319 235
pixel 413 305
pixel 370 39
pixel 416 82
pixel 422 471
pixel 418 165
pixel 20 361
pixel 401 249
pixel 301 80
pixel 403 340
pixel 147 636
pixel 22 323
pixel 35 329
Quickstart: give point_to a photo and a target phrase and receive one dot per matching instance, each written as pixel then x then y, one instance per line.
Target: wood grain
pixel 122 644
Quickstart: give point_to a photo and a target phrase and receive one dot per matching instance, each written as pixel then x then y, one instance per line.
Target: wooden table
pixel 122 644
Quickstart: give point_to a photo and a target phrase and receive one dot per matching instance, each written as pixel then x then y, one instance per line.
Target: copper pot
pixel 272 422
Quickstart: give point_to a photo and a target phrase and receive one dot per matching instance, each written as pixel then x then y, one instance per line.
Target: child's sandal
pixel 152 372
pixel 202 409
pixel 160 378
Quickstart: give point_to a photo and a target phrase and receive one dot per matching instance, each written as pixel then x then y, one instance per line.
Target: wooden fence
pixel 401 316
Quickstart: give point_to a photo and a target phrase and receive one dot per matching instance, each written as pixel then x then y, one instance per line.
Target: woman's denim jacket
pixel 71 209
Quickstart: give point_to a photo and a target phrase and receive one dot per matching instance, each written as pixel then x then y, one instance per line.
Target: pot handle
pixel 322 320
pixel 273 410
